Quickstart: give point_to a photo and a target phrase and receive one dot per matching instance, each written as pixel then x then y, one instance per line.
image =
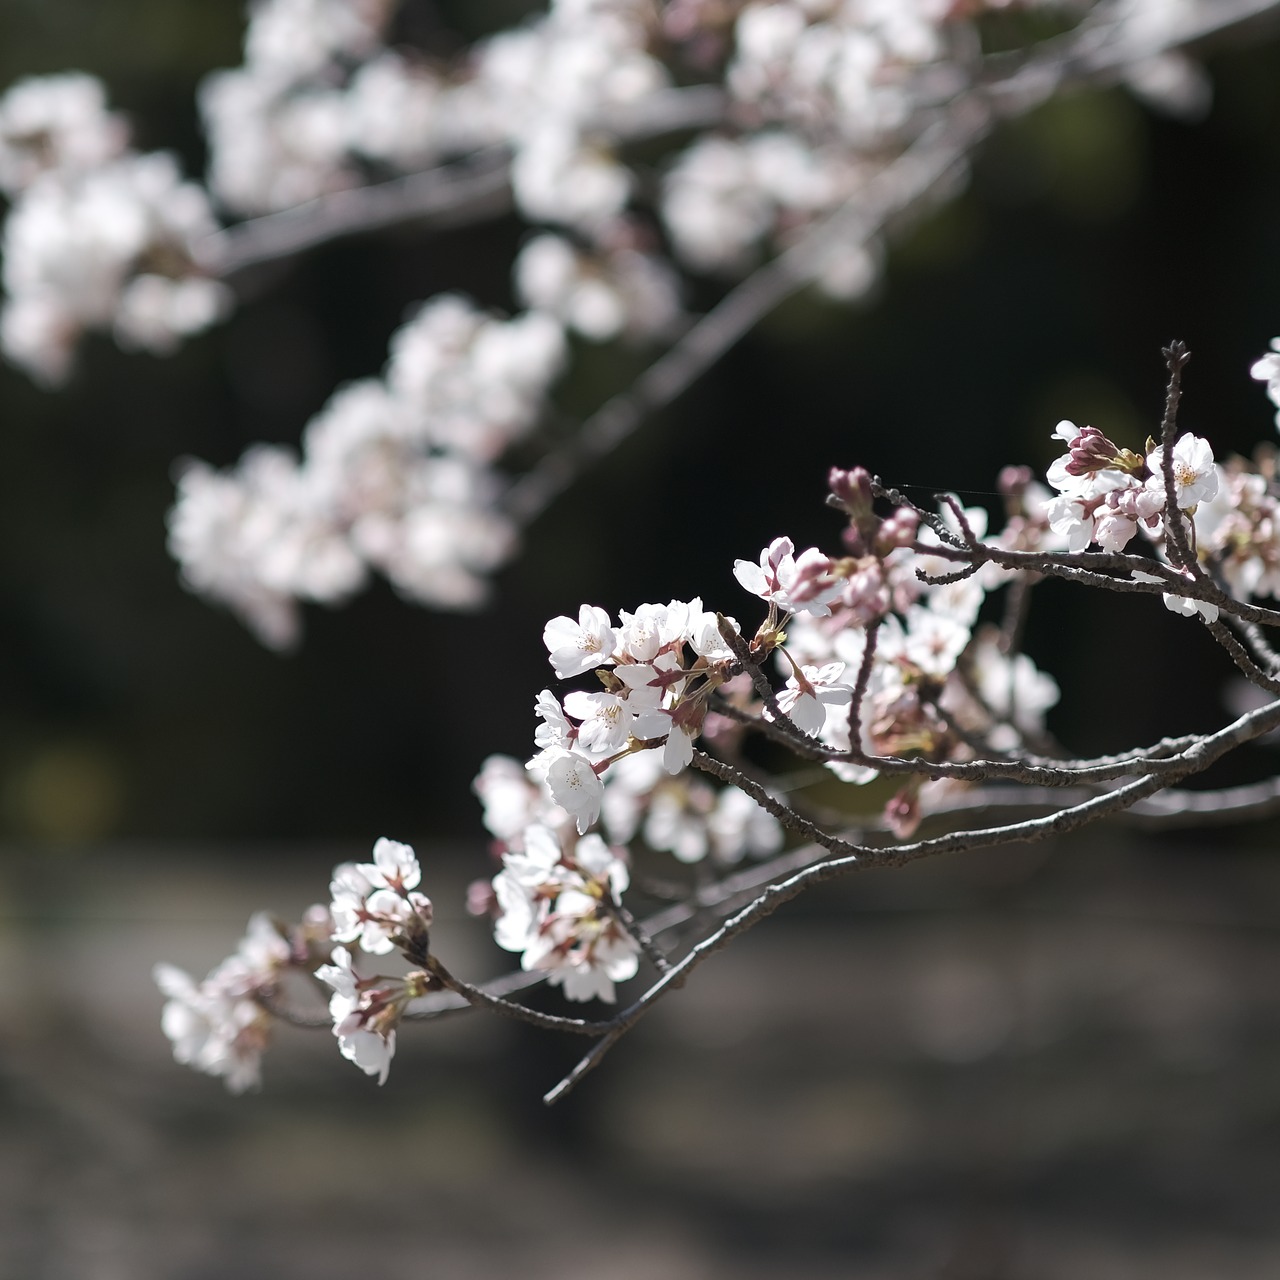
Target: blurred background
pixel 1043 1063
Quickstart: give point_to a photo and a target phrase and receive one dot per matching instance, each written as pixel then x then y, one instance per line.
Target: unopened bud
pixel 854 542
pixel 852 489
pixel 1091 451
pixel 851 492
pixel 899 530
pixel 902 814
pixel 1013 482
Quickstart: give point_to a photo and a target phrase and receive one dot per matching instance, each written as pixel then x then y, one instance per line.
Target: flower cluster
pixel 557 905
pixel 367 1011
pixel 98 236
pixel 395 475
pixel 375 906
pixel 1239 529
pixel 679 814
pixel 219 1026
pixel 282 127
pixel 654 694
pixel 877 621
pixel 601 293
pixel 1106 493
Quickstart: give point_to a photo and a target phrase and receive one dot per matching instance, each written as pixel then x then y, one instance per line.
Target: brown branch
pixel 480 998
pixel 653 953
pixel 1176 356
pixel 784 813
pixel 1240 656
pixel 860 687
pixel 1090 568
pixel 776 895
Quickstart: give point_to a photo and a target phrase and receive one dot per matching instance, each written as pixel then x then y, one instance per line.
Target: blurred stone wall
pixel 1047 1063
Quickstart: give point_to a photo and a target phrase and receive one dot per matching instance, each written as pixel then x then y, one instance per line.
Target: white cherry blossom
pixel 55 123
pixel 579 646
pixel 1195 477
pixel 810 691
pixel 373 903
pixel 576 787
pixel 1267 369
pixel 366 1012
pixel 793 583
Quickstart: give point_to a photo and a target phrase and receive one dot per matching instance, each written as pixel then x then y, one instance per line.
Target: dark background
pixel 1037 1064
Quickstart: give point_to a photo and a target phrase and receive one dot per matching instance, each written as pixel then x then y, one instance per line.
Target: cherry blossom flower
pixel 810 691
pixel 1267 369
pixel 366 1011
pixel 1195 477
pixel 513 800
pixel 579 646
pixel 605 720
pixel 212 1032
pixel 1013 689
pixel 793 583
pixel 1184 605
pixel 576 787
pixel 55 123
pixel 584 952
pixel 555 733
pixel 373 904
pixel 601 295
pixel 554 908
pixel 218 1026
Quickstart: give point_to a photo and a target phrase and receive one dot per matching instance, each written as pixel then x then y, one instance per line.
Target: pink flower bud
pixel 482 900
pixel 1091 451
pixel 899 530
pixel 902 814
pixel 1013 482
pixel 866 594
pixel 852 489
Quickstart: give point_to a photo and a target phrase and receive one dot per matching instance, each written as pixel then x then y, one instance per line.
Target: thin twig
pixel 463 191
pixel 784 814
pixel 1176 356
pixel 1240 656
pixel 1017 606
pixel 481 998
pixel 860 685
pixel 653 953
pixel 900 186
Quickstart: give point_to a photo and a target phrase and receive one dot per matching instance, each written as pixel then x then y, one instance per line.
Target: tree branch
pixel 463 191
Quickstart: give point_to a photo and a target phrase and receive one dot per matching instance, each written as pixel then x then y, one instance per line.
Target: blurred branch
pixel 463 192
